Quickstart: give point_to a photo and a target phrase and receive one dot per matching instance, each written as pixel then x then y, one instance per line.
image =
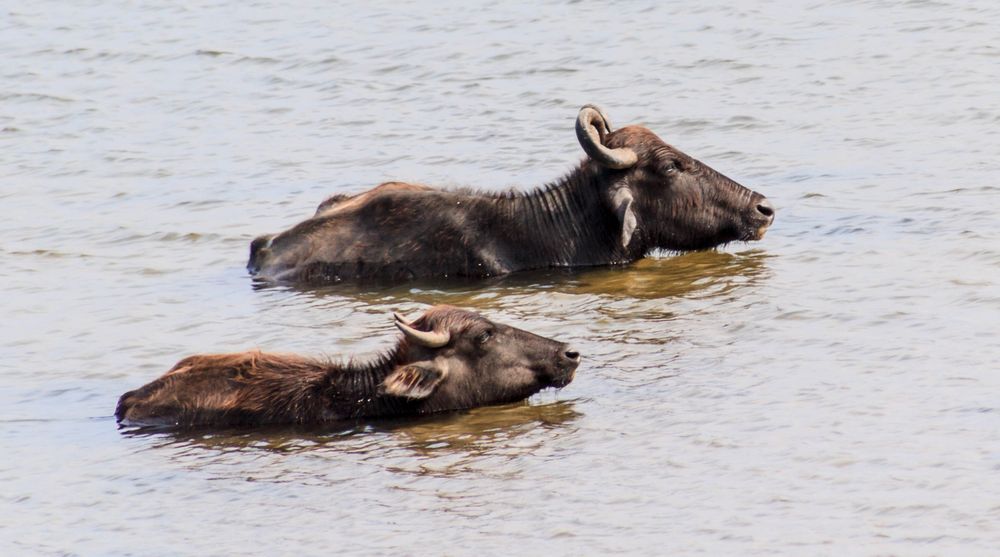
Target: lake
pixel 830 390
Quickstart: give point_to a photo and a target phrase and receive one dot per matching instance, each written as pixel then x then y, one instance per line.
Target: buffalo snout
pixel 564 370
pixel 762 216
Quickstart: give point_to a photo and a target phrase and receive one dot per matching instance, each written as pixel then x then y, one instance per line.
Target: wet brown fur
pixel 344 202
pixel 401 231
pixel 253 387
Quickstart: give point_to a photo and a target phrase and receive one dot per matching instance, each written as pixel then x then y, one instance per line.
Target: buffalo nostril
pixel 572 355
pixel 765 208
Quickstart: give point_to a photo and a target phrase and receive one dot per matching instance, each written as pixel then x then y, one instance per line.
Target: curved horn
pixel 430 339
pixel 592 127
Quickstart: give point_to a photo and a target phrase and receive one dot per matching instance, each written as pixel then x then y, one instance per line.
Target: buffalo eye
pixel 673 166
pixel 484 337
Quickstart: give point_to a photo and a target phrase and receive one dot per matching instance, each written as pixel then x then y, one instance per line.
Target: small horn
pixel 592 127
pixel 430 339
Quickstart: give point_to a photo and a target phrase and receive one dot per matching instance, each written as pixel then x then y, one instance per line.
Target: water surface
pixel 830 390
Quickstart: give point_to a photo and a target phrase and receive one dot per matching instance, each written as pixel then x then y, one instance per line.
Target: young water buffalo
pixel 633 194
pixel 448 359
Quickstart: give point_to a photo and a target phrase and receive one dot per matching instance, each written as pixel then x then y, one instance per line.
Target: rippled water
pixel 832 389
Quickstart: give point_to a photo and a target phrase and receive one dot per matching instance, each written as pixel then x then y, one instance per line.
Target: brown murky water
pixel 830 390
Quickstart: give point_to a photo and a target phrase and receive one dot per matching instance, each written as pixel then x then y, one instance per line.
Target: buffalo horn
pixel 430 339
pixel 592 127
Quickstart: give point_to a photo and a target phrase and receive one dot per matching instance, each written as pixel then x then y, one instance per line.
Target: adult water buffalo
pixel 633 194
pixel 448 359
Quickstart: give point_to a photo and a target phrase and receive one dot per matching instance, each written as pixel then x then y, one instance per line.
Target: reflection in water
pixel 697 274
pixel 481 430
pixel 704 273
pixel 467 433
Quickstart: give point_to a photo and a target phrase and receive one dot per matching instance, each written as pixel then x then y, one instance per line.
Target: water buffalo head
pixel 664 198
pixel 458 359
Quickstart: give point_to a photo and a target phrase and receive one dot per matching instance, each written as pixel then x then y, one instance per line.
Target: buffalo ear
pixel 621 203
pixel 412 381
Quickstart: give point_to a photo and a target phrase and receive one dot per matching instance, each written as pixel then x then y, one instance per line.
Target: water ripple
pixel 827 390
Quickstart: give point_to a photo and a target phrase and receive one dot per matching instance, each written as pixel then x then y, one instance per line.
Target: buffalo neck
pixel 565 223
pixel 353 390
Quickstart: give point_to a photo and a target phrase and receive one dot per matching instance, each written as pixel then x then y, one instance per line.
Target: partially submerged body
pixel 449 359
pixel 404 234
pixel 633 195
